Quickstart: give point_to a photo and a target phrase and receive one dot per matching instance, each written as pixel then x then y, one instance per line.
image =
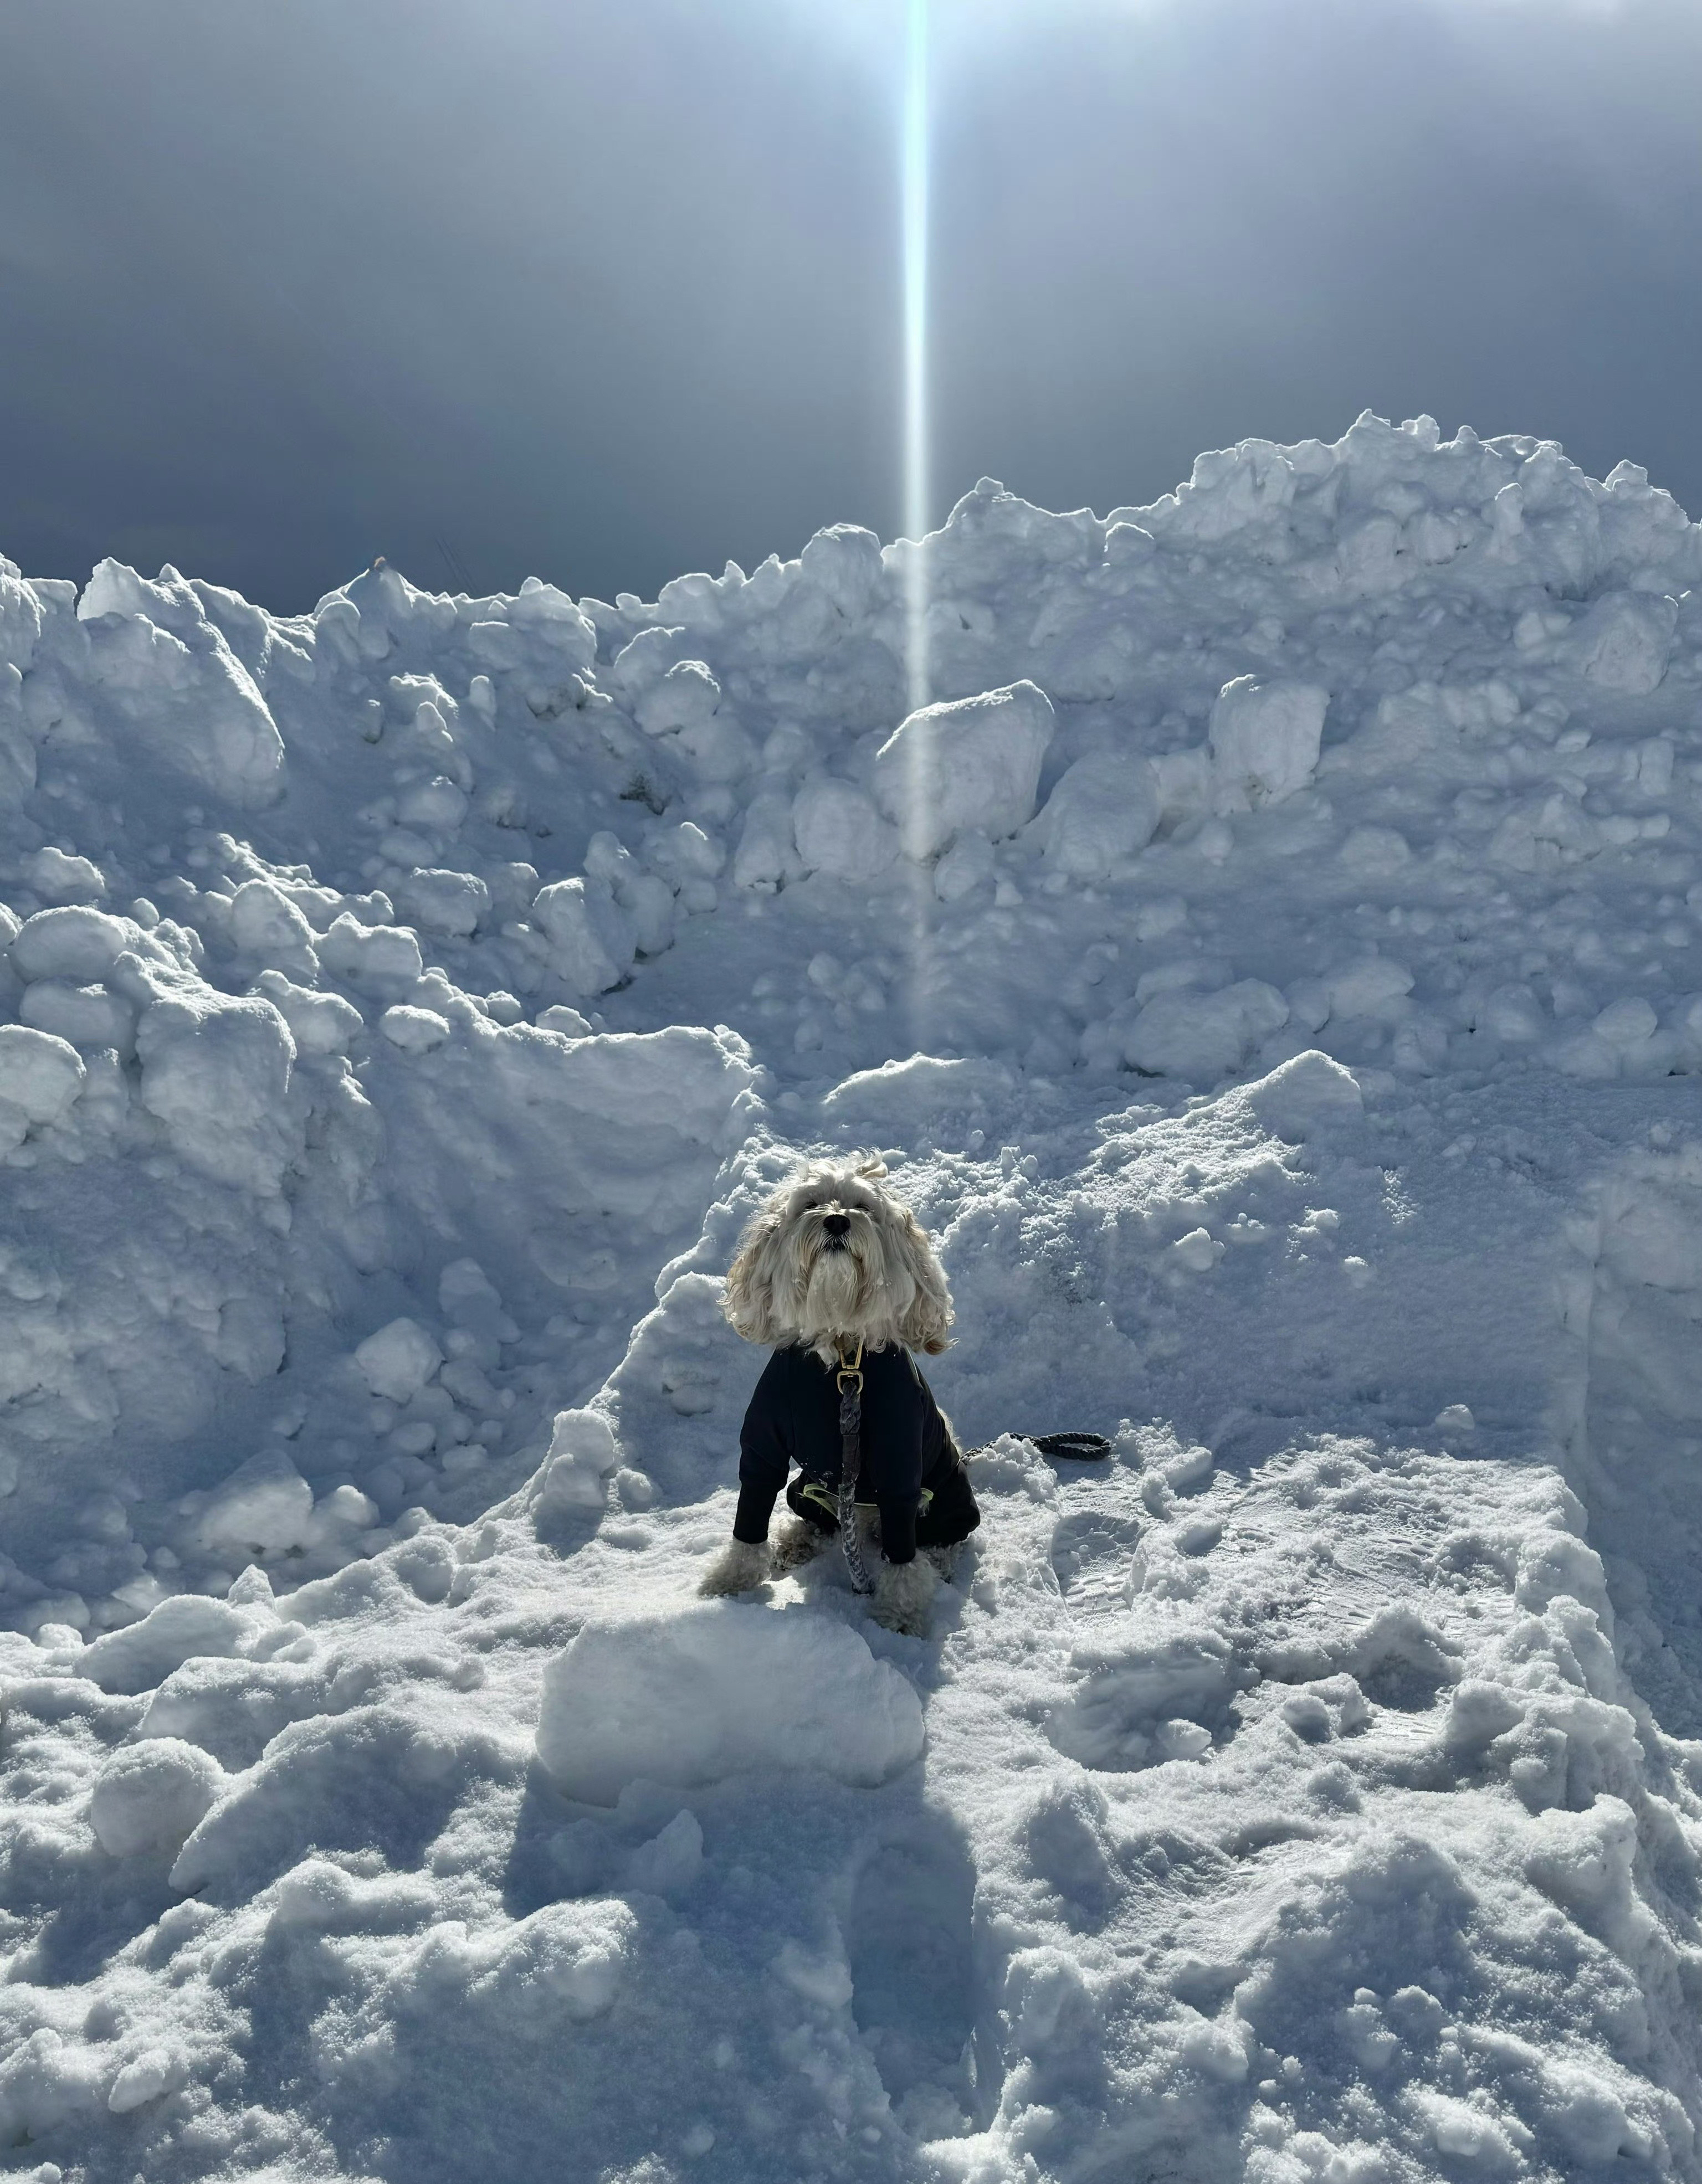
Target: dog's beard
pixel 838 1295
pixel 835 1297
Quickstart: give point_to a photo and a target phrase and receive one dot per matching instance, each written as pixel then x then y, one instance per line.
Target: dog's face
pixel 833 1257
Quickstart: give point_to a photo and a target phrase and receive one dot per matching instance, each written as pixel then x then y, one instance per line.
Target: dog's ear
pixel 926 1324
pixel 748 1303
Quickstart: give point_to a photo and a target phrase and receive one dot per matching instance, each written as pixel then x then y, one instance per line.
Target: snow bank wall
pixel 1270 964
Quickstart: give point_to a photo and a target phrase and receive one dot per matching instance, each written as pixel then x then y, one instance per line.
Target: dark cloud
pixel 608 290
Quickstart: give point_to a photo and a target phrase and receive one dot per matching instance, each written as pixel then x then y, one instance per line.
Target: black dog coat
pixel 911 1467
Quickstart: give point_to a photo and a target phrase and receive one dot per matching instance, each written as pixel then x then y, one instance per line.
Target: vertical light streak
pixel 916 421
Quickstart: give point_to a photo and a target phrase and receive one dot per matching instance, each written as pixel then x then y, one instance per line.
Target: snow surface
pixel 1272 969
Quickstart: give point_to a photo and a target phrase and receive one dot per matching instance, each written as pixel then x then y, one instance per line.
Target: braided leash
pixel 850 1463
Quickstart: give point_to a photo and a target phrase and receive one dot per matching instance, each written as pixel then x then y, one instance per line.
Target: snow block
pixel 1105 807
pixel 398 1361
pixel 1304 1095
pixel 216 1073
pixel 1265 740
pixel 84 1016
pixel 264 1507
pixel 74 943
pixel 1624 642
pixel 265 922
pixel 1201 1036
pixel 685 1080
pixel 902 1098
pixel 838 831
pixel 725 1689
pixel 591 938
pixel 583 1452
pixel 40 1075
pixel 319 1023
pixel 187 1627
pixel 178 692
pixel 151 1796
pixel 968 762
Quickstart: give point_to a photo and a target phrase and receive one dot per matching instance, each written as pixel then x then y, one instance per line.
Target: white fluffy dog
pixel 834 1269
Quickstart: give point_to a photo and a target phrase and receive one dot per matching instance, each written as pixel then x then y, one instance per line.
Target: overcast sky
pixel 603 290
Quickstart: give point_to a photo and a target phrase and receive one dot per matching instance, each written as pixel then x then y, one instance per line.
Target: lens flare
pixel 916 435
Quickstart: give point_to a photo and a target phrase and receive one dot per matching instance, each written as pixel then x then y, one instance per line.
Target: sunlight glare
pixel 916 448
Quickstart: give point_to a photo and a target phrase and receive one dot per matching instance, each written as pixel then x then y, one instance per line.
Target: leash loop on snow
pixel 849 1376
pixel 1079 1447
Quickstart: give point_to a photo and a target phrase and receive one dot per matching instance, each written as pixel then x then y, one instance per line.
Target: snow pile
pixel 668 1699
pixel 1270 967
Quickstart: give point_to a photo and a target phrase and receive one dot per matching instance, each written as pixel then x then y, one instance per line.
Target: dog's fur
pixel 880 1283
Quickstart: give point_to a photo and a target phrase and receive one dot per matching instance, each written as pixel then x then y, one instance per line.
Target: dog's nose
pixel 836 1224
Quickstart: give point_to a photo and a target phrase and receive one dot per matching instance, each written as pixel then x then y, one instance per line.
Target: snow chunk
pixel 371 954
pixel 76 943
pixel 583 1452
pixel 1202 1036
pixel 263 1507
pixel 566 1022
pixel 39 1074
pixel 686 706
pixel 469 1298
pixel 319 1023
pixel 669 1863
pixel 575 1952
pixel 177 689
pixel 1304 1094
pixel 688 696
pixel 151 1796
pixel 767 857
pixel 904 1097
pixel 683 1079
pixel 838 831
pixel 267 923
pixel 416 1031
pixel 1265 740
pixel 667 1698
pixel 398 1360
pixel 1627 1023
pixel 591 938
pixel 966 762
pixel 451 903
pixel 964 866
pixel 85 1016
pixel 1198 1252
pixel 1104 808
pixel 63 877
pixel 1374 849
pixel 216 1073
pixel 155 2071
pixel 1367 989
pixel 1624 642
pixel 187 1627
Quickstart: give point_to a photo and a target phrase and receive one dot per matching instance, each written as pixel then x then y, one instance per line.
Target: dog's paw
pixel 796 1543
pixel 903 1594
pixel 740 1567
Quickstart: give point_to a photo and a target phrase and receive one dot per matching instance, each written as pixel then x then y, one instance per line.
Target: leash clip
pixel 850 1375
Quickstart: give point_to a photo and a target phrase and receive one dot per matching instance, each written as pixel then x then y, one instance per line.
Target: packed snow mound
pixel 1269 961
pixel 668 1699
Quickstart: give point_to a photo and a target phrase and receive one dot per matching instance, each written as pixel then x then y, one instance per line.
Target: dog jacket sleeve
pixel 766 1446
pixel 793 1418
